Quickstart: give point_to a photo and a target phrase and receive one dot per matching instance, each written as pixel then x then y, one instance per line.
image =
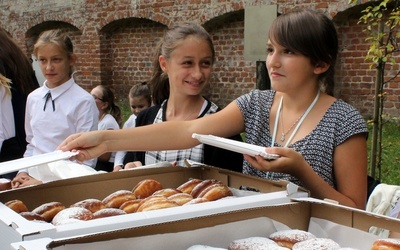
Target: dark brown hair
pixel 311 34
pixel 112 109
pixel 15 65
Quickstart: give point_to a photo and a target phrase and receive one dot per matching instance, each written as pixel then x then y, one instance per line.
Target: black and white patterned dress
pixel 340 122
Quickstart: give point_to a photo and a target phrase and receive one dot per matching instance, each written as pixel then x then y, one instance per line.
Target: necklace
pixel 283 133
pixel 278 112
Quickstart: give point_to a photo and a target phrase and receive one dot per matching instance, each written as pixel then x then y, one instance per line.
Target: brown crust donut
pixel 180 198
pixel 188 186
pixel 145 188
pixel 215 191
pixel 201 186
pixel 17 205
pixel 166 192
pixel 92 205
pixel 130 206
pixel 196 201
pixel 107 212
pixel 72 215
pixel 116 199
pixel 287 238
pixel 32 216
pixel 386 244
pixel 49 210
pixel 155 202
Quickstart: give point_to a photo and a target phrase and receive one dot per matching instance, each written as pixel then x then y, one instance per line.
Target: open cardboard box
pixel 347 226
pixel 14 228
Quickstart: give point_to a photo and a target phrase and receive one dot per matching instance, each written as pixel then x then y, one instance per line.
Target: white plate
pixel 235 146
pixel 18 164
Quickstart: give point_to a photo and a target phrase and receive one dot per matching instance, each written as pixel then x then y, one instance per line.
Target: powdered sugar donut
pixel 93 205
pixel 49 210
pixel 72 215
pixel 204 247
pixel 317 244
pixel 254 243
pixel 288 238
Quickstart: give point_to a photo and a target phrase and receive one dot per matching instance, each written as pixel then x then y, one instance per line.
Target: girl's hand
pixel 289 161
pixel 89 145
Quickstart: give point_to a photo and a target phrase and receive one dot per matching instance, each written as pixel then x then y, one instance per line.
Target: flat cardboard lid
pixel 18 164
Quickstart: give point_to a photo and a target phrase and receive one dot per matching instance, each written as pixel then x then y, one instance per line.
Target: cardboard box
pixel 347 226
pixel 14 228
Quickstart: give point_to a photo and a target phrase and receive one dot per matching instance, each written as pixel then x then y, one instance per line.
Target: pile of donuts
pixel 146 195
pixel 297 240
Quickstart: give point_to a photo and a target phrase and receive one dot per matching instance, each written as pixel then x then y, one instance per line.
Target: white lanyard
pixel 298 124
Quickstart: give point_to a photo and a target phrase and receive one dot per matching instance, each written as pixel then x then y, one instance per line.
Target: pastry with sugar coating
pixel 49 210
pixel 316 244
pixel 188 186
pixel 72 215
pixel 254 243
pixel 107 212
pixel 93 205
pixel 287 238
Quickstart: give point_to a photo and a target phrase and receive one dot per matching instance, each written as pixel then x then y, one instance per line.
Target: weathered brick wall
pixel 115 41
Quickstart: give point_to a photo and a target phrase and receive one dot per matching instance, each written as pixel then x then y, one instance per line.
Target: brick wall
pixel 115 39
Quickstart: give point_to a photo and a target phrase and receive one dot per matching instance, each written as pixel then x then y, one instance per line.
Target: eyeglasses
pixel 97 98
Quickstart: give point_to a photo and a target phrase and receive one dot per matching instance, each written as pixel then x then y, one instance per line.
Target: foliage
pixel 382 21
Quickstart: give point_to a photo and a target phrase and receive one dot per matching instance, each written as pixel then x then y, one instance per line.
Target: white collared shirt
pixel 75 111
pixel 7 127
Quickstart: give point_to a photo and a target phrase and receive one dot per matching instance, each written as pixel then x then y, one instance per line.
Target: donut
pixel 166 192
pixel 72 215
pixel 49 210
pixel 196 201
pixel 215 191
pixel 115 200
pixel 92 205
pixel 253 243
pixel 130 206
pixel 107 212
pixel 155 202
pixel 32 216
pixel 188 186
pixel 386 244
pixel 17 205
pixel 145 188
pixel 287 238
pixel 316 243
pixel 180 198
pixel 201 186
pixel 204 247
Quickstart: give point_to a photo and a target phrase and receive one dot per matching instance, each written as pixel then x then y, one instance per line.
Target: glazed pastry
pixel 386 244
pixel 72 215
pixel 49 210
pixel 180 198
pixel 146 188
pixel 155 202
pixel 92 205
pixel 215 191
pixel 166 192
pixel 188 186
pixel 130 206
pixel 196 201
pixel 107 212
pixel 116 199
pixel 287 238
pixel 201 186
pixel 17 205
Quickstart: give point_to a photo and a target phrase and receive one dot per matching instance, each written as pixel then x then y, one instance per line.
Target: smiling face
pixel 55 64
pixel 189 66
